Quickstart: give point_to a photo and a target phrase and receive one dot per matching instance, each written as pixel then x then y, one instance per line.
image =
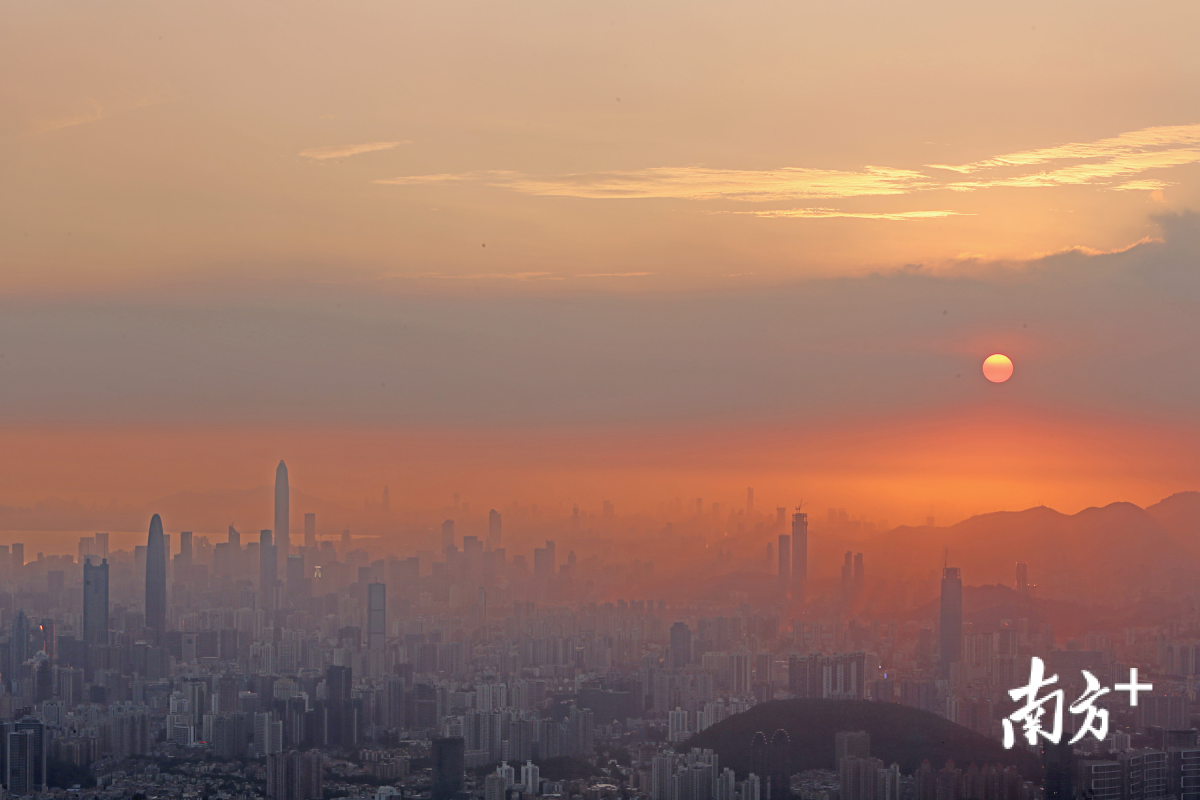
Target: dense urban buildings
pixel 457 662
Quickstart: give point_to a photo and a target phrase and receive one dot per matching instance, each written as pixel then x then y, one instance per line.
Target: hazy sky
pixel 748 224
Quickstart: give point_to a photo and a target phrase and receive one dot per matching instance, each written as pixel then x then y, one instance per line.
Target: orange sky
pixel 989 457
pixel 556 253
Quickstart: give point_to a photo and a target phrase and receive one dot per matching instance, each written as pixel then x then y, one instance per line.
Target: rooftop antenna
pixel 945 556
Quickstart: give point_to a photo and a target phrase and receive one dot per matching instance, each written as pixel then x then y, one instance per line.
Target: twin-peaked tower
pixel 793 558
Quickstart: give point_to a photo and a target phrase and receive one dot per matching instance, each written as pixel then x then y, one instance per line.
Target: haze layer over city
pixel 599 401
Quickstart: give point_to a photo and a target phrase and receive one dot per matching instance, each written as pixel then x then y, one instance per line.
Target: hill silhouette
pixel 1179 515
pixel 898 733
pixel 1115 553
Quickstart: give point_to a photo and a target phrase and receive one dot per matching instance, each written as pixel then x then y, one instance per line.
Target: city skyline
pixel 621 401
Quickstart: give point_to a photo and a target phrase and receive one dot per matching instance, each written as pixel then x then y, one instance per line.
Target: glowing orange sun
pixel 997 368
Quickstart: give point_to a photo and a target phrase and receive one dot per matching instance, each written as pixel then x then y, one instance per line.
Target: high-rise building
pixel 494 539
pixel 1022 577
pixel 235 538
pixel 310 530
pixel 95 603
pixel 449 763
pixel 21 763
pixel 102 545
pixel 341 713
pixel 681 645
pixel 865 778
pixel 18 647
pixel 799 555
pixel 267 566
pixel 156 578
pixel 544 563
pixel 447 534
pixel 18 558
pixel 848 577
pixel 282 501
pixel 26 764
pixel 851 744
pixel 296 581
pixel 950 632
pixel 295 776
pixel 784 551
pixel 376 616
pixel 531 779
pixel 185 547
pixel 268 733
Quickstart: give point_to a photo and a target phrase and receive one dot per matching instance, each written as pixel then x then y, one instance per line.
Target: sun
pixel 997 368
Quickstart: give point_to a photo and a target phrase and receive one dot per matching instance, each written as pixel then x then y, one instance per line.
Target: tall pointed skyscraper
pixel 282 539
pixel 156 578
pixel 799 555
pixel 950 634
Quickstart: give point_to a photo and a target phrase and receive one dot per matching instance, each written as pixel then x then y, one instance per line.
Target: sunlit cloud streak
pixel 696 183
pixel 821 213
pixel 1111 163
pixel 347 150
pixel 1133 142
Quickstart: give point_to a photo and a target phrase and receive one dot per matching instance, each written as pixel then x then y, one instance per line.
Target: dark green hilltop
pixel 899 734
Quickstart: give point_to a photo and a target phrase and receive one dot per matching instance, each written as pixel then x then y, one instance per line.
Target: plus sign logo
pixel 1036 706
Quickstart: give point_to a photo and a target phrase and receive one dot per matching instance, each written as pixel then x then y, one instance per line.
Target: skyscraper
pixel 156 578
pixel 25 766
pixel 310 530
pixel 18 648
pixel 447 534
pixel 494 533
pixel 295 581
pixel 950 634
pixel 449 764
pixel 268 565
pixel 376 615
pixel 282 537
pixel 235 539
pixel 681 645
pixel 785 563
pixel 294 776
pixel 799 555
pixel 95 603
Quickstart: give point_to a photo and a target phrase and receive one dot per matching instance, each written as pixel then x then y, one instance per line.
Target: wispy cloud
pixel 697 183
pixel 1110 164
pixel 510 276
pixel 1143 186
pixel 347 150
pixel 95 109
pixel 1142 141
pixel 819 213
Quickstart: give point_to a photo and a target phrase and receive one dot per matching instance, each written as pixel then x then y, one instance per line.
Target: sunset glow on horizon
pixel 600 219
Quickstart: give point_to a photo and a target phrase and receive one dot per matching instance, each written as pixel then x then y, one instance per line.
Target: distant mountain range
pixel 899 734
pixel 1115 553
